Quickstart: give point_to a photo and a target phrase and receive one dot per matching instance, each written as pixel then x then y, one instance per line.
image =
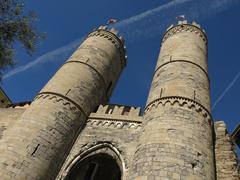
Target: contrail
pixel 148 24
pixel 153 22
pixel 226 90
pixel 59 53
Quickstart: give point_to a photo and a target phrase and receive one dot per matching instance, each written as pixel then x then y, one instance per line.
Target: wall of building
pixel 227 165
pixel 8 116
pixel 113 132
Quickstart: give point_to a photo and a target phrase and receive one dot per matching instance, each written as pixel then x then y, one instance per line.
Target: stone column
pixel 176 142
pixel 37 145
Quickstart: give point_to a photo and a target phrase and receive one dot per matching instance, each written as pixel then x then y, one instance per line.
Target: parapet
pixel 113 36
pixel 185 26
pixel 116 116
pixel 118 112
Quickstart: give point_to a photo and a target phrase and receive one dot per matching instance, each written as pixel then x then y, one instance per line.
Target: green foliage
pixel 15 26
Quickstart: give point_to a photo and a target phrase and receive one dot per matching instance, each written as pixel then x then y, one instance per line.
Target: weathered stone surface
pixel 176 140
pixel 227 165
pixel 112 133
pixel 8 117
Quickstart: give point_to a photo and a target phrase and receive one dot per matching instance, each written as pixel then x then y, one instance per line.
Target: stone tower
pixel 176 141
pixel 41 138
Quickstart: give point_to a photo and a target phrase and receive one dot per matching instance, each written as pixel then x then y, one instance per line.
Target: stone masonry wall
pixel 107 131
pixel 227 165
pixel 8 116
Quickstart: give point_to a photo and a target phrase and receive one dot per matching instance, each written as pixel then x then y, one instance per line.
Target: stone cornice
pixel 180 101
pixel 114 123
pixel 59 98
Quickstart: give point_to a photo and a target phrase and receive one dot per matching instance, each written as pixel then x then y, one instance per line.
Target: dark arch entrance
pixel 96 167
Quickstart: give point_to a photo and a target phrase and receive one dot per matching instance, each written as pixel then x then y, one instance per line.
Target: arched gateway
pixel 96 167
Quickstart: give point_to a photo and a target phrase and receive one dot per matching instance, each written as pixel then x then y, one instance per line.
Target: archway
pixel 99 166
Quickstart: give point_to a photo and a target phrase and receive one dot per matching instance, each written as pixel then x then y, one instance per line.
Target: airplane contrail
pixel 144 25
pixel 60 53
pixel 153 22
pixel 226 90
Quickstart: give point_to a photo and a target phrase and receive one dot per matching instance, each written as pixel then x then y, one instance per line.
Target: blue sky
pixel 142 23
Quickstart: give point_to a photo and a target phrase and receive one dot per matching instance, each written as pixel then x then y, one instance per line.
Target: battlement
pixel 185 26
pixel 118 112
pixel 185 22
pixel 112 35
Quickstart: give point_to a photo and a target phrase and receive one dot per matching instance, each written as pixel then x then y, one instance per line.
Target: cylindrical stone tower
pixel 37 145
pixel 176 142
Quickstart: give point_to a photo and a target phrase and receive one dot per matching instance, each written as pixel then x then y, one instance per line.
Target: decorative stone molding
pixel 114 123
pixel 93 148
pixel 185 28
pixel 58 98
pixel 180 101
pixel 117 41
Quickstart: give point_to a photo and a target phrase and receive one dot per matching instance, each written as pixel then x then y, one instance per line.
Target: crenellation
pixel 118 110
pixel 182 22
pixel 101 109
pixel 197 25
pixel 135 111
pixel 185 27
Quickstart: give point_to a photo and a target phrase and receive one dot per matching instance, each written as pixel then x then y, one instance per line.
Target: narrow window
pixel 161 92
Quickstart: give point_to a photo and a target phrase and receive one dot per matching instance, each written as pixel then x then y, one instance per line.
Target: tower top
pixel 112 35
pixel 185 22
pixel 183 25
